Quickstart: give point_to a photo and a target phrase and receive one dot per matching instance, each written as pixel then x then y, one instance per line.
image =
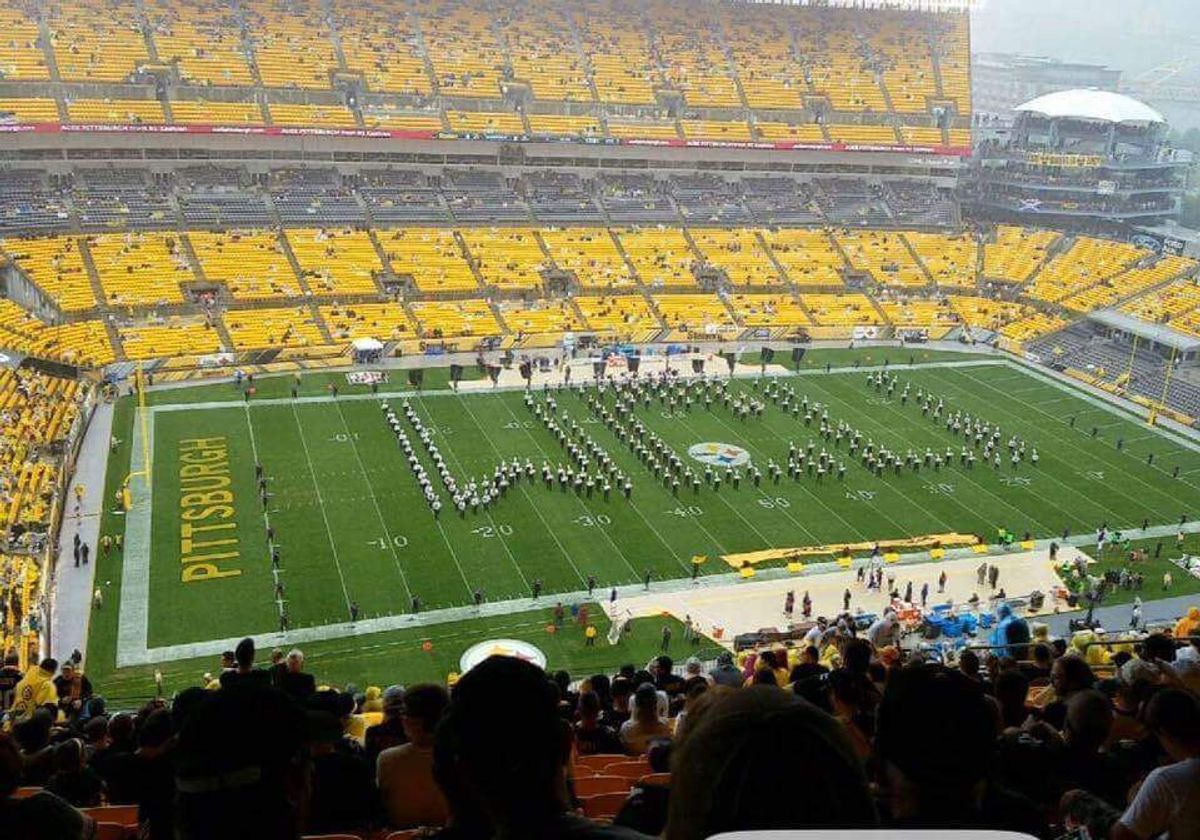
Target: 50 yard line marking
pixel 374 501
pixel 321 503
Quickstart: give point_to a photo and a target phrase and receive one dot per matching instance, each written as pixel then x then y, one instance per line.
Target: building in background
pixel 1002 81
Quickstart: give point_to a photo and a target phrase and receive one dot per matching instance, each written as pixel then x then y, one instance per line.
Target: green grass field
pixel 351 525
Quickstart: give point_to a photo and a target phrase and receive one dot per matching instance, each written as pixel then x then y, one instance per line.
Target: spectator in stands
pixel 239 765
pixel 294 681
pixel 1010 690
pixel 808 666
pixel 73 779
pixel 33 737
pixel 1038 668
pixel 503 752
pixel 115 761
pixel 156 766
pixel 389 732
pixel 934 745
pixel 244 673
pixel 10 675
pixel 591 736
pixel 645 725
pixel 726 770
pixel 1168 801
pixel 74 689
pixel 43 816
pixel 1068 675
pixel 343 787
pixel 726 673
pixel 404 773
pixel 36 689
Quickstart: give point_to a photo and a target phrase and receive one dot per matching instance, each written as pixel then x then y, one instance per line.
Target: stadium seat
pixel 26 792
pixel 595 785
pixel 408 834
pixel 604 805
pixel 113 831
pixel 124 815
pixel 598 761
pixel 659 779
pixel 627 769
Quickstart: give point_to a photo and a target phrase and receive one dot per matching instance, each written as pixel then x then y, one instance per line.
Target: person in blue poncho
pixel 1011 632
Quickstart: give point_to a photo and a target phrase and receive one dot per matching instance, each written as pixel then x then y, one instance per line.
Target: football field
pixel 354 533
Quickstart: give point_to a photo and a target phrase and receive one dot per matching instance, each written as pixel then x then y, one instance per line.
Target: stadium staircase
pixel 470 258
pixel 762 243
pixel 912 252
pixel 85 252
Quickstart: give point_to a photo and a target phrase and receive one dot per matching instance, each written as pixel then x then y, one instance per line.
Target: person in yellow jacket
pixel 590 635
pixel 1189 625
pixel 36 689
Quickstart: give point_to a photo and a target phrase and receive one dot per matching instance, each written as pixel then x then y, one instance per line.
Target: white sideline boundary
pixel 133 626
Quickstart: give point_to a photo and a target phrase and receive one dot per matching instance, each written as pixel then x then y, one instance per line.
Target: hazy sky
pixel 1128 35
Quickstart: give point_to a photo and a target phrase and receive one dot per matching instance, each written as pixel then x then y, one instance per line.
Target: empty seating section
pixel 175 337
pixel 321 116
pixel 760 40
pixel 29 110
pixel 108 199
pixel 808 257
pixel 590 254
pixel 140 269
pixel 463 47
pixel 1175 304
pixel 692 57
pixel 789 132
pixel 380 42
pixel 508 258
pixel 623 313
pixel 21 56
pixel 693 313
pixel 827 41
pixel 453 320
pixel 780 201
pixel 481 197
pixel 921 136
pixel 542 50
pixel 547 316
pixel 292 45
pixel 871 135
pixel 1087 262
pixel 884 255
pixel 431 256
pixel 919 313
pixel 251 264
pixel 568 125
pixel 1016 253
pixel 78 343
pixel 738 254
pixel 841 310
pixel 400 196
pixel 336 262
pixel 769 311
pixel 203 39
pixel 216 113
pixel 618 51
pixel 951 260
pixel 1129 283
pixel 642 129
pixel 716 130
pixel 485 122
pixel 398 120
pixel 987 314
pixel 381 321
pixel 1032 326
pixel 116 111
pixel 708 199
pixel 55 265
pixel 900 43
pixel 561 197
pixel 255 329
pixel 662 258
pixel 96 40
pixel 28 206
pixel 953 46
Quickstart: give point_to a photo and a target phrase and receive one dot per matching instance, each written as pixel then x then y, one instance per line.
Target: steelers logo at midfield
pixel 719 454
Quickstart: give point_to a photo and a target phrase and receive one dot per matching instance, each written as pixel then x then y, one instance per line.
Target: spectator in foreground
pixel 245 674
pixel 935 740
pixel 72 779
pixel 36 689
pixel 726 673
pixel 404 773
pixel 42 816
pixel 294 681
pixel 591 736
pixel 645 726
pixel 503 752
pixel 389 732
pixel 726 770
pixel 1168 801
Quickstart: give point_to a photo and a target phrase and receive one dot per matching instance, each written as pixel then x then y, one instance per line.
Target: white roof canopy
pixel 367 344
pixel 1099 105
